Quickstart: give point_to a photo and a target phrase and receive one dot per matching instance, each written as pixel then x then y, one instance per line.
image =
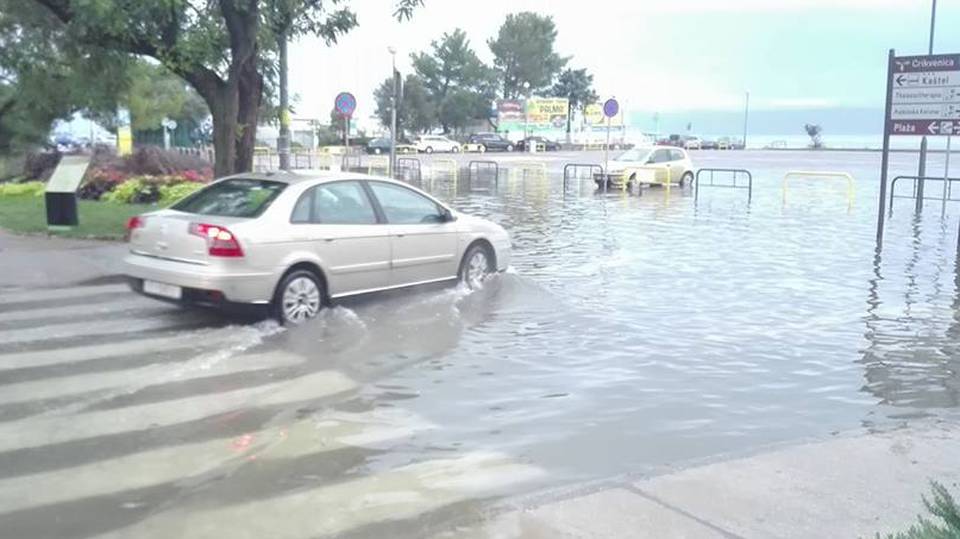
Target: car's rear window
pixel 238 197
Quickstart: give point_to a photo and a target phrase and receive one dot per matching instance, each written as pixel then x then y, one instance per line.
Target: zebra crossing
pixel 125 417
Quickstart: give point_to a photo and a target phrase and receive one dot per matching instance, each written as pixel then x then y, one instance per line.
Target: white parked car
pixel 648 165
pixel 436 143
pixel 293 242
pixel 692 143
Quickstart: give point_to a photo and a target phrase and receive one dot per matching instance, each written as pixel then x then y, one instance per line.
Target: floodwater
pixel 632 333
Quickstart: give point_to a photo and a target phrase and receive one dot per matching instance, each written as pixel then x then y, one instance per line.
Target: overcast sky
pixel 665 55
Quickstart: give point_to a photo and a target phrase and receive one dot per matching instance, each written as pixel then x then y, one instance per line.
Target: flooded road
pixel 631 333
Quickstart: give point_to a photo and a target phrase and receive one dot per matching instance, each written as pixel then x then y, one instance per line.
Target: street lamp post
pixel 393 112
pixel 746 115
pixel 922 168
pixel 526 100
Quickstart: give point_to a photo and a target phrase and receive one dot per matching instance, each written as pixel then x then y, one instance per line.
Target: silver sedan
pixel 293 242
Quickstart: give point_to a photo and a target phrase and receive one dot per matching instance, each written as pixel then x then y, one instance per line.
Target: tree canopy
pixel 524 58
pixel 46 76
pixel 577 86
pixel 225 49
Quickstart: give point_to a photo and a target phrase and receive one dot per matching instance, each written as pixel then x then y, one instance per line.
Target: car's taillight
pixel 220 241
pixel 134 223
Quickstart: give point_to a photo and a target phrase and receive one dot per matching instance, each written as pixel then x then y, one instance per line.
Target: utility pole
pixel 922 168
pixel 283 139
pixel 746 115
pixel 393 112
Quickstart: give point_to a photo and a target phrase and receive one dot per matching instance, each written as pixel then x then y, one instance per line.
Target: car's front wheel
pixel 482 149
pixel 429 150
pixel 377 151
pixel 298 298
pixel 455 149
pixel 509 147
pixel 476 266
pixel 686 179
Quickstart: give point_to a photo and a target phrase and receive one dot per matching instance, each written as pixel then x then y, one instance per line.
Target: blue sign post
pixel 610 109
pixel 345 104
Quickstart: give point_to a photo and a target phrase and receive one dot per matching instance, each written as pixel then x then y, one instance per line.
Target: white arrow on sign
pixel 933 128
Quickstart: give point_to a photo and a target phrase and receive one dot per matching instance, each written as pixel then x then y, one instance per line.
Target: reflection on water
pixel 640 331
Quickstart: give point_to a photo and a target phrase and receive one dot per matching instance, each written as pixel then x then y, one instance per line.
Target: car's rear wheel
pixel 377 151
pixel 298 298
pixel 482 149
pixel 455 149
pixel 429 149
pixel 476 266
pixel 509 147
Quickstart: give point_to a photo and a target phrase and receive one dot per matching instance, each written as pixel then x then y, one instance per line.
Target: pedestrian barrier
pixel 572 171
pixel 730 173
pixel 474 168
pixel 522 171
pixel 945 197
pixel 378 164
pixel 408 169
pixel 661 175
pixel 447 167
pixel 819 174
pixel 262 159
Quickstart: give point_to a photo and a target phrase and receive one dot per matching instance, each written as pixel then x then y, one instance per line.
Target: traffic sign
pixel 345 103
pixel 925 95
pixel 611 108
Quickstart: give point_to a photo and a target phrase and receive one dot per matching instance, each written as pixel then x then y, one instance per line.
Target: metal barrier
pixel 378 163
pixel 819 174
pixel 475 167
pixel 523 170
pixel 405 164
pixel 945 197
pixel 262 159
pixel 633 173
pixel 444 166
pixel 576 168
pixel 734 172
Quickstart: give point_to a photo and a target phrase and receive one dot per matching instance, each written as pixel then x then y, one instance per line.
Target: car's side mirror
pixel 447 215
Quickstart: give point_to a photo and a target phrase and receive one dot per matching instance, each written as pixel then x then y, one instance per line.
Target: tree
pixel 577 86
pixel 225 49
pixel 155 93
pixel 814 131
pixel 416 113
pixel 523 54
pixel 450 72
pixel 45 76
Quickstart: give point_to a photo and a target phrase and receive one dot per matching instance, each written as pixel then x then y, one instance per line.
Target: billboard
pixel 542 114
pixel 593 116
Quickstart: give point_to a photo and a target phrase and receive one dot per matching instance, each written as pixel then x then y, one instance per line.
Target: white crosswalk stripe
pixel 102 390
pixel 46 294
pixel 120 305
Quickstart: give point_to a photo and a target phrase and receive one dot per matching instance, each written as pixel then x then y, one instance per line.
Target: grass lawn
pixel 102 220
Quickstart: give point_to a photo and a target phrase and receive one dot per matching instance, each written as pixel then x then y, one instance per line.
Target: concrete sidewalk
pixel 38 261
pixel 853 486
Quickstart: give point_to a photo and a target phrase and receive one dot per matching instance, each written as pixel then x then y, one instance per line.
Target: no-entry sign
pixel 925 95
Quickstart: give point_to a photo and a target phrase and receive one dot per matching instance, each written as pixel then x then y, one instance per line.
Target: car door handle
pixel 329 240
pixel 400 235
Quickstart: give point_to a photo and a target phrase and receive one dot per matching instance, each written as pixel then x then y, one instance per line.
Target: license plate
pixel 162 289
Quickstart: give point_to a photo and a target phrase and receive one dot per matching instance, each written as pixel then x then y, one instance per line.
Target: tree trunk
pixel 250 92
pixel 223 108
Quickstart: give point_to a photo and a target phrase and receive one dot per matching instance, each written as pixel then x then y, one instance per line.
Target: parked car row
pixel 688 142
pixel 477 143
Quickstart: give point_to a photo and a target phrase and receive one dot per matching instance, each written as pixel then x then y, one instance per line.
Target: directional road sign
pixel 925 95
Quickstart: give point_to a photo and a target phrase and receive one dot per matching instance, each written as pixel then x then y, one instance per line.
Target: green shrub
pixel 35 189
pixel 942 506
pixel 171 193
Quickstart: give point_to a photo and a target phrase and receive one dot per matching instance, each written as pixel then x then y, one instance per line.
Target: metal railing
pixel 522 171
pixel 447 167
pixel 571 170
pixel 946 195
pixel 474 168
pixel 408 164
pixel 731 173
pixel 819 174
pixel 378 164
